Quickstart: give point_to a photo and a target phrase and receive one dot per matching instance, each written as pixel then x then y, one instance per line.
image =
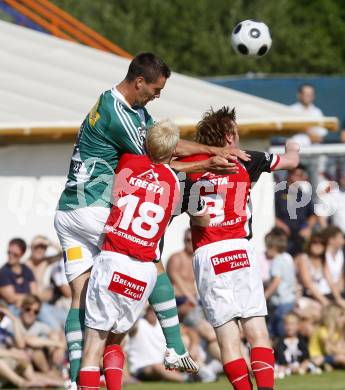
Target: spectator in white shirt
pixel 337 198
pixel 145 351
pixel 305 105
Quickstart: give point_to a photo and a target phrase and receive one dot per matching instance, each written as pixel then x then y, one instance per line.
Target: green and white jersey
pixel 111 128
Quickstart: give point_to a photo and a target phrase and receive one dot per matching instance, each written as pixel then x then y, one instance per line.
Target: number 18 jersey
pixel 145 195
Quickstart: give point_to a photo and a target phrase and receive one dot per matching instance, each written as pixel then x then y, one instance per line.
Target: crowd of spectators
pixel 33 306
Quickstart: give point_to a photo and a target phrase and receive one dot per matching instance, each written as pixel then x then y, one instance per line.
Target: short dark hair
pixel 276 239
pixel 301 86
pixel 215 125
pixel 20 243
pixel 149 66
pixel 29 300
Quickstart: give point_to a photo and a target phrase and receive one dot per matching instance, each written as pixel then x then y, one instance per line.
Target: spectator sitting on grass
pixel 15 362
pixel 291 351
pixel 47 346
pixel 327 343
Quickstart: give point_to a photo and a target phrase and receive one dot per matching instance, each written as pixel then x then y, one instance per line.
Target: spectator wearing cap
pixel 39 264
pixel 16 279
pixel 42 265
pixel 295 216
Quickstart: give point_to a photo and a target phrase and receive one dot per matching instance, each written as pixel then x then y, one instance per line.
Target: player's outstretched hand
pixel 231 153
pixel 220 166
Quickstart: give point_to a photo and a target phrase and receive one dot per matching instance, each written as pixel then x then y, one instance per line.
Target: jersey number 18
pixel 150 214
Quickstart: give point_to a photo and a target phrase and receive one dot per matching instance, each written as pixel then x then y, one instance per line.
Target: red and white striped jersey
pixel 144 195
pixel 228 198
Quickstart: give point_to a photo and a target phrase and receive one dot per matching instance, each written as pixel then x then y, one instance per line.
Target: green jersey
pixel 111 128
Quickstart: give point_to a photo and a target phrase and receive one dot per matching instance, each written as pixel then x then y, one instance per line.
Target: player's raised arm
pixel 290 159
pixel 214 164
pixel 187 148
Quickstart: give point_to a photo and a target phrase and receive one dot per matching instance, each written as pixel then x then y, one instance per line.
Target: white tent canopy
pixel 49 84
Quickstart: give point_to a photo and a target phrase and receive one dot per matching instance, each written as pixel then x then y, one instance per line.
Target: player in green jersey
pixel 117 124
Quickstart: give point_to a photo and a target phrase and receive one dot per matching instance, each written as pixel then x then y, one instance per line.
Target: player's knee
pixel 78 290
pixel 258 337
pixel 228 345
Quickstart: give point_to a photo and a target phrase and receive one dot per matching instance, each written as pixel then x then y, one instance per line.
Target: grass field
pixel 328 381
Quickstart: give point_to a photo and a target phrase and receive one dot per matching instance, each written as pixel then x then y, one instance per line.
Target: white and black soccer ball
pixel 251 38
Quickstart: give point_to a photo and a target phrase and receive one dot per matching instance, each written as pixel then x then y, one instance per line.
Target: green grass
pixel 327 381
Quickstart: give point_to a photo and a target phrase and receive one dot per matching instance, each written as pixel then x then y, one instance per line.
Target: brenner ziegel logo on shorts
pixel 127 286
pixel 230 261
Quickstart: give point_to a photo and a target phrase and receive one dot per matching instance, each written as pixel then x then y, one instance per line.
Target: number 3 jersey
pixel 145 195
pixel 228 198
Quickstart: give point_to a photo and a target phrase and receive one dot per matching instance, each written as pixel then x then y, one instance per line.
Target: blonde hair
pixel 291 316
pixel 161 140
pixel 331 315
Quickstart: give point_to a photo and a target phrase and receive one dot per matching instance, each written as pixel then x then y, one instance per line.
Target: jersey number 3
pixel 150 215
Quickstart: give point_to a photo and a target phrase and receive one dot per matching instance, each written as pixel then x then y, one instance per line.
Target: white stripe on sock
pixel 167 323
pixel 239 378
pixel 90 368
pixel 112 368
pixel 164 305
pixel 76 335
pixel 267 366
pixel 73 355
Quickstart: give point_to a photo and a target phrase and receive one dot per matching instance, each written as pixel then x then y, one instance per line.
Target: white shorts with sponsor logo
pixel 229 281
pixel 118 290
pixel 80 232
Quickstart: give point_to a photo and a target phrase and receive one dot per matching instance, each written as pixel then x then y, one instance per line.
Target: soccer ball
pixel 251 38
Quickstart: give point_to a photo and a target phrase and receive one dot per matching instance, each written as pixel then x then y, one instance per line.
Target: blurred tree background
pixel 193 36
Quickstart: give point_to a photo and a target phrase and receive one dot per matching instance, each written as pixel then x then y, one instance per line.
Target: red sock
pixel 262 362
pixel 113 362
pixel 89 378
pixel 238 374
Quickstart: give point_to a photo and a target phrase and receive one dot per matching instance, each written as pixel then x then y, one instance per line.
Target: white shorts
pixel 118 290
pixel 229 281
pixel 80 232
